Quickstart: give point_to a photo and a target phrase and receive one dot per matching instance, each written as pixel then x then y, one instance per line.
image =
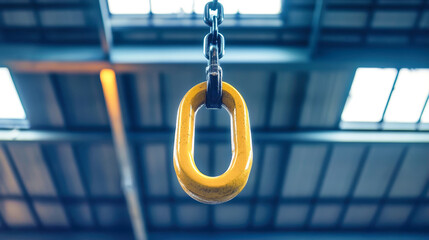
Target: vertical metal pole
pixel 126 165
pixel 105 30
pixel 319 8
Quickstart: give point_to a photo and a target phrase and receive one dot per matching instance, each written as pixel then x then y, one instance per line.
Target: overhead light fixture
pixel 10 104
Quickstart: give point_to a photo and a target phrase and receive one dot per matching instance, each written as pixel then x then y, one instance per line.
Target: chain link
pixel 214 48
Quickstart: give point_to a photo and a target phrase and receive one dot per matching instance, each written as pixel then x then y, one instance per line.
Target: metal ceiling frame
pixel 28 58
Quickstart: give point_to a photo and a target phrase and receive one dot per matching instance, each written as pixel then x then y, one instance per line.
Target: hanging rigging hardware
pixel 214 48
pixel 214 94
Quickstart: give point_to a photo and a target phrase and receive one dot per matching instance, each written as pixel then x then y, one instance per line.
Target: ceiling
pixel 62 175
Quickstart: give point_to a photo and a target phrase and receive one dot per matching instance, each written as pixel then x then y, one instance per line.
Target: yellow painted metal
pixel 221 188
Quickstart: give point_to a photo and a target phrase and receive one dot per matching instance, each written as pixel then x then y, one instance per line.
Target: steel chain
pixel 214 48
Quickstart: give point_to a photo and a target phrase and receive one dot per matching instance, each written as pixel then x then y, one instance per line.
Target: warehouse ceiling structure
pixel 321 168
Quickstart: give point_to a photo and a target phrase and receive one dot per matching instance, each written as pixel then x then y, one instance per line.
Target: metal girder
pixel 315 26
pixel 328 136
pixel 104 28
pixel 127 166
pixel 34 235
pixel 33 58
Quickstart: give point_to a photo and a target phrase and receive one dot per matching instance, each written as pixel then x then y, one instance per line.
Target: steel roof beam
pixel 222 135
pixel 33 58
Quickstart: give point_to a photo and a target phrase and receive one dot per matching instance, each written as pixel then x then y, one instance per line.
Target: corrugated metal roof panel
pixel 51 214
pixel 80 215
pixel 19 18
pixel 343 19
pixel 192 215
pixel 422 217
pixel 324 93
pixel 291 215
pixel 62 158
pixel 8 183
pixel 303 170
pixel 110 215
pixel 270 170
pixel 359 215
pixel 394 19
pixel 288 89
pixel 326 215
pixel 32 169
pixel 40 100
pixel 231 216
pixel 100 169
pixel 82 101
pixel 160 215
pixel 146 89
pixel 262 216
pixel 377 171
pixel 155 169
pixel 62 18
pixel 16 213
pixel 299 18
pixel 424 22
pixel 394 215
pixel 414 172
pixel 341 170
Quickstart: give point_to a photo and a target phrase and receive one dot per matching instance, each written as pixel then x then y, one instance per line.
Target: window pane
pixel 368 95
pixel 10 104
pixel 128 6
pixel 188 6
pixel 172 6
pixel 409 96
pixel 244 6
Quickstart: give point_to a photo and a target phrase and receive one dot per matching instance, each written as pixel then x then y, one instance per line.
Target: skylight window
pixel 368 95
pixel 129 6
pixel 190 6
pixel 10 104
pixel 376 97
pixel 409 96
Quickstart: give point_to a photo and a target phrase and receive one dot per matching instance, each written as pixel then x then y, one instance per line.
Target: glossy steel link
pixel 214 5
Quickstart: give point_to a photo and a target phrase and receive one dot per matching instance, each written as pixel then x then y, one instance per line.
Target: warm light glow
pixel 369 94
pixel 10 104
pixel 189 6
pixel 107 75
pixel 409 96
pixel 110 90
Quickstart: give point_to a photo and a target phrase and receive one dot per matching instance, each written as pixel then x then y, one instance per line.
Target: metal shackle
pixel 201 187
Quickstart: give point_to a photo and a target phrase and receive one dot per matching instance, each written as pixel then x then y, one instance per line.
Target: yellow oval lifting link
pixel 222 188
